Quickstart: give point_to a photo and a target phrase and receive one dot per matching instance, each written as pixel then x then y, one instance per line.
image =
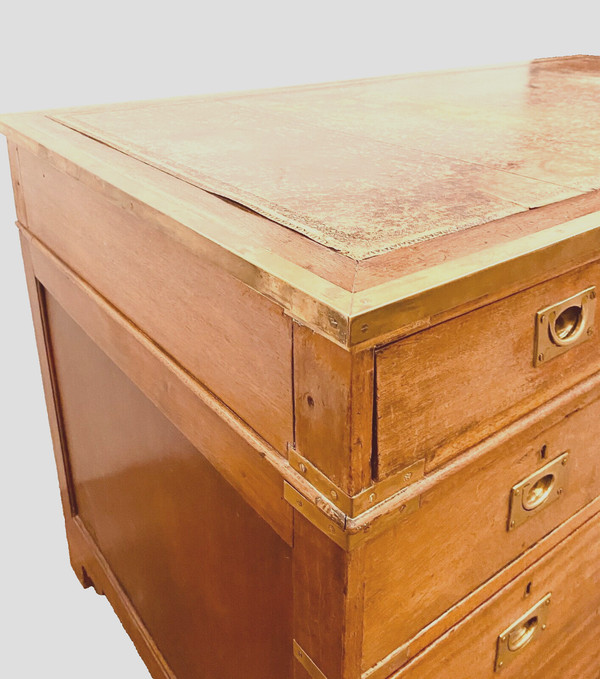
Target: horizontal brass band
pixel 344 538
pixel 353 505
pixel 349 319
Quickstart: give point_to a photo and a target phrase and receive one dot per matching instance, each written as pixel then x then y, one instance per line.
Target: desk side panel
pixel 233 340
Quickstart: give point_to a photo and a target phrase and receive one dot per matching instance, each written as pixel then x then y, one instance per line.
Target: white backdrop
pixel 68 53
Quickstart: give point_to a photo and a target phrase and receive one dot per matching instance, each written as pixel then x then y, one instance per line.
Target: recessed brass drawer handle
pixel 521 633
pixel 533 494
pixel 564 325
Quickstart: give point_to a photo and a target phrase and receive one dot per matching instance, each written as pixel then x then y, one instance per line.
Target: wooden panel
pixel 15 173
pixel 333 390
pixel 241 457
pixel 328 602
pixel 458 539
pixel 448 387
pixel 232 339
pixel 568 647
pixel 172 530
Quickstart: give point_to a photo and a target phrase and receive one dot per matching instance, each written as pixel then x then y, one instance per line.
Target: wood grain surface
pixel 240 456
pixel 458 539
pixel 186 548
pixel 333 392
pixel 446 388
pixel 568 647
pixel 233 340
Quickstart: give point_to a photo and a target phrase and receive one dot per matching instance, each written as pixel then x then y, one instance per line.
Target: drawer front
pixel 544 625
pixel 537 477
pixel 447 388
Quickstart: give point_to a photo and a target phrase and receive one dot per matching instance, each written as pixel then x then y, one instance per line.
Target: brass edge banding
pixel 349 319
pixel 390 306
pixel 306 662
pixel 353 505
pixel 346 537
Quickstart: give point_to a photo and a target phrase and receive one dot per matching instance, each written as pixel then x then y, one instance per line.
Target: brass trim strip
pixel 349 319
pixel 353 505
pixel 302 657
pixel 390 306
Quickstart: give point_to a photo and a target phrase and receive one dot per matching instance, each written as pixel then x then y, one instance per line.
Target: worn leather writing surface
pixel 370 166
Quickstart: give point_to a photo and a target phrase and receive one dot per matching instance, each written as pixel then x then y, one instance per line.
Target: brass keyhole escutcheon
pixel 523 634
pixel 538 492
pixel 567 326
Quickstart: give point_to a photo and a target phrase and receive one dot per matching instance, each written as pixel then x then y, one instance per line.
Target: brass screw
pixel 564 462
pixel 547 602
pixel 334 495
pixel 500 664
pixel 303 468
pixel 590 331
pixel 332 529
pixel 593 294
pixel 512 524
pixel 408 476
pixel 543 627
pixel 541 358
pixel 559 491
pixel 542 319
pixel 517 491
pixel 333 322
pixel 299 503
pixel 372 497
pixel 402 508
pixel 364 328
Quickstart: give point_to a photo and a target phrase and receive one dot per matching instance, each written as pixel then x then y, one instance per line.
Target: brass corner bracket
pixel 354 505
pixel 344 536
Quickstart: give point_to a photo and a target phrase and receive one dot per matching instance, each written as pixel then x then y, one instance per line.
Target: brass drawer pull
pixel 564 325
pixel 537 491
pixel 521 633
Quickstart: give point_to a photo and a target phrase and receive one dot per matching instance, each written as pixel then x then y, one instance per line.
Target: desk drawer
pixel 462 534
pixel 549 616
pixel 446 388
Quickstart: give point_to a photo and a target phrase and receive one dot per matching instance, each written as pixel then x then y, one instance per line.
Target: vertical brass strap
pixel 306 662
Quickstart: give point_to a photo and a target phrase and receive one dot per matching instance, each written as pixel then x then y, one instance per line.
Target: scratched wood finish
pixel 186 305
pixel 145 494
pixel 568 648
pixel 461 527
pixel 383 162
pixel 333 391
pixel 448 387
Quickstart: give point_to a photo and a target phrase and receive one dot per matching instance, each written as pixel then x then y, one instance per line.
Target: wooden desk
pixel 322 370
